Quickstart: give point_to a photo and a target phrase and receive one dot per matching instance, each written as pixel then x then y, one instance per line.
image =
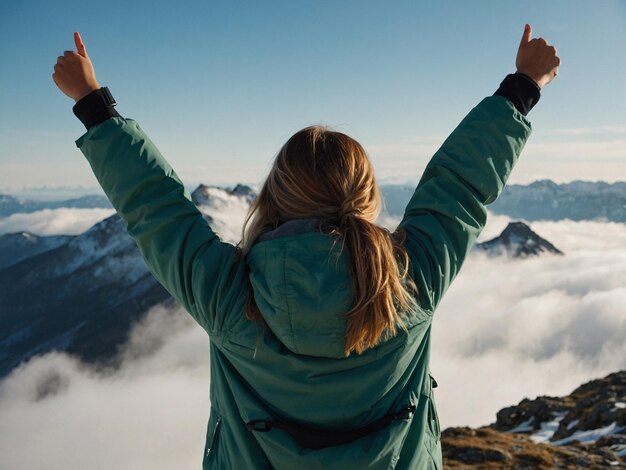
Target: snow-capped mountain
pixel 517 240
pixel 586 429
pixel 82 293
pixel 80 297
pixel 15 247
pixel 224 209
pixel 540 200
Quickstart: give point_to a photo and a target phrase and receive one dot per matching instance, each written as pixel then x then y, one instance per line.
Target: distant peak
pixel 519 228
pixel 243 190
pixel 517 240
pixel 544 183
pixel 204 193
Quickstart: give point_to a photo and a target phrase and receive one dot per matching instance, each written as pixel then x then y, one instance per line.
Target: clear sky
pixel 219 86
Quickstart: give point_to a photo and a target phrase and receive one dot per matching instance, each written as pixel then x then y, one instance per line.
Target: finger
pixel 80 47
pixel 528 31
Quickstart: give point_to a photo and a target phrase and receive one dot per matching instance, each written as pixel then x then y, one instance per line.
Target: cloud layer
pixel 152 413
pixel 62 221
pixel 506 330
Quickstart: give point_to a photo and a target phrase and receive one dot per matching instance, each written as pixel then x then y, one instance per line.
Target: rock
pixel 588 431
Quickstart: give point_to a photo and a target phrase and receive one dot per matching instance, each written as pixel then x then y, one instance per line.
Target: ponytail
pixel 325 174
pixel 380 282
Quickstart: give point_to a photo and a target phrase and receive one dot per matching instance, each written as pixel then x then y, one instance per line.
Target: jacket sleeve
pixel 177 244
pixel 447 210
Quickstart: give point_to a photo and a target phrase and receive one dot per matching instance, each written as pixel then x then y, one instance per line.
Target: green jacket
pixel 295 368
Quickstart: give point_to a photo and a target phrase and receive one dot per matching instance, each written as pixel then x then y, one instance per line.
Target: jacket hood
pixel 301 285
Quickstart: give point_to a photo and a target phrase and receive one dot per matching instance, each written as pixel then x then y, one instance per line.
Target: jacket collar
pixel 292 227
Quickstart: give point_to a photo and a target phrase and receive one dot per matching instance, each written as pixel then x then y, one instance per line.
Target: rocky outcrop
pixel 486 448
pixel 586 429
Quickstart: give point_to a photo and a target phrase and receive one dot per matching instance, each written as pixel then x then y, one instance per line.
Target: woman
pixel 320 321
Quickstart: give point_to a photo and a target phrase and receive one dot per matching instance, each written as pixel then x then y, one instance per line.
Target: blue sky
pixel 219 86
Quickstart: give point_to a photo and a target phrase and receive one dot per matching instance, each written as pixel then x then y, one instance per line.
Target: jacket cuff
pixel 94 109
pixel 521 90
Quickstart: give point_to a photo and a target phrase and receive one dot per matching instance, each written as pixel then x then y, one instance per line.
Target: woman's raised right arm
pixel 447 211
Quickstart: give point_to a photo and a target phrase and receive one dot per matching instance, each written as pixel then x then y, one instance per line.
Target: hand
pixel 74 73
pixel 537 59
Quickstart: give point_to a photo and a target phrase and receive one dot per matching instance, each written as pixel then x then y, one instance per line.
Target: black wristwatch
pixel 107 96
pixel 96 107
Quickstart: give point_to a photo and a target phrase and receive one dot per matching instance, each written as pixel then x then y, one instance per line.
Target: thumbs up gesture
pixel 74 73
pixel 537 59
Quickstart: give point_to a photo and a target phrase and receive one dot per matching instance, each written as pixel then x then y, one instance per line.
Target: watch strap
pixel 521 90
pixel 96 107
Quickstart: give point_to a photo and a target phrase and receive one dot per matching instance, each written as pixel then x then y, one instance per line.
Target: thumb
pixel 80 47
pixel 528 31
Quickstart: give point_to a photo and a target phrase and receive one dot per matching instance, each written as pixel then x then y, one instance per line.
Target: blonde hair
pixel 324 174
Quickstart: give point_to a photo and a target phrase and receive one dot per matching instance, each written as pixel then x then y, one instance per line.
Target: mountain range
pixel 540 200
pixel 81 294
pixel 13 205
pixel 578 200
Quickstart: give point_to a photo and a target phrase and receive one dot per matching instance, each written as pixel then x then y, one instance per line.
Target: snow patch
pixel 590 436
pixel 548 428
pixel 524 427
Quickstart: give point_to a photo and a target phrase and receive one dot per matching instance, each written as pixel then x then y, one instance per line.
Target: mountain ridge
pixel 84 280
pixel 540 200
pixel 12 205
pixel 92 287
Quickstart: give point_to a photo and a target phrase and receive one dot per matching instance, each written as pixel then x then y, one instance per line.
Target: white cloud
pixel 62 221
pixel 506 330
pixel 516 329
pixel 152 413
